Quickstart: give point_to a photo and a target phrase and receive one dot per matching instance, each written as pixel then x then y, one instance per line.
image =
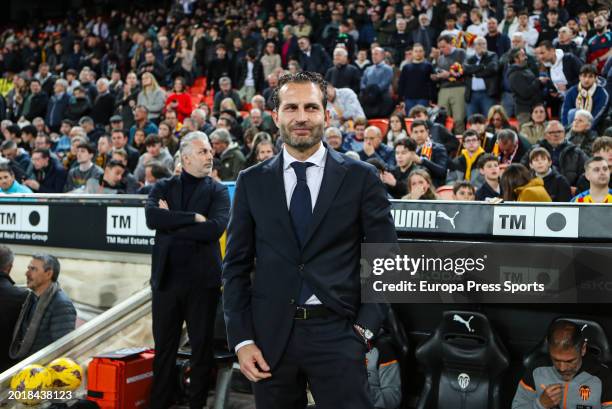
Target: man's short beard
pixel 302 146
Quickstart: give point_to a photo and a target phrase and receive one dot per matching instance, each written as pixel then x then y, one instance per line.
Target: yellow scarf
pixel 585 97
pixel 469 161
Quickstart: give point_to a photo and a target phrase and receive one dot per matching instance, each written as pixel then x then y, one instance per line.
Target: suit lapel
pixel 332 179
pixel 278 200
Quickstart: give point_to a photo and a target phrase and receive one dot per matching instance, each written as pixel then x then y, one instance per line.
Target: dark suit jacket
pixel 319 61
pixel 487 70
pixel 351 208
pixel 11 300
pixel 344 76
pixel 181 244
pixel 258 75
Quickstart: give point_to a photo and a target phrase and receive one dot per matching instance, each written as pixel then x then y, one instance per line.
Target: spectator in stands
pixel 47 313
pixel 46 79
pixel 155 153
pixel 424 34
pixel 555 184
pixel 534 129
pixel 46 175
pixel 397 130
pixel 420 186
pixel 415 86
pixel 88 125
pixel 488 167
pixel 103 106
pixel 464 190
pixel 374 148
pixel 566 43
pixel 354 141
pixel 586 95
pixel 498 120
pixel 568 369
pixel 396 180
pixel 566 157
pixel 179 100
pixel 128 181
pixel 12 152
pixel 35 103
pixel 270 60
pixel 333 137
pixel 518 185
pixel 564 71
pixel 550 26
pixel 452 86
pixel 86 169
pixel 313 57
pixel 597 172
pixel 103 150
pixel 478 123
pixel 342 106
pixel 600 44
pixel 232 159
pixel 126 100
pixel 8 184
pixel 497 42
pixel 375 86
pixel 152 66
pixel 142 121
pixel 581 133
pixel 79 105
pixel 528 33
pixel 510 22
pixel 152 97
pixel 601 147
pixel 120 141
pixel 138 141
pixel 510 147
pixel 250 76
pixel 430 155
pixel 264 150
pixel 526 88
pixel 12 298
pixel 225 91
pixel 153 172
pixel 481 79
pixel 343 74
pixel 437 132
pixel 464 167
pixel 109 182
pixel 169 141
pixel 57 105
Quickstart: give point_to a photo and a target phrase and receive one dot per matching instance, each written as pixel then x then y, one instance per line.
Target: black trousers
pixel 197 307
pixel 327 354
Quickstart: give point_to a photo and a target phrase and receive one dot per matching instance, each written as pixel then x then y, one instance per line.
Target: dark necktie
pixel 300 209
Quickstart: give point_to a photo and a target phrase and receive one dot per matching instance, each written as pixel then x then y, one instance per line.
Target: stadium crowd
pixel 469 99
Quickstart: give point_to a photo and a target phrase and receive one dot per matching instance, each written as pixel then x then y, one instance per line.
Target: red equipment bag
pixel 121 379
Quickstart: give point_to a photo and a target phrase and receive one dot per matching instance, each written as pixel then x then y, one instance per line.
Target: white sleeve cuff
pixel 244 343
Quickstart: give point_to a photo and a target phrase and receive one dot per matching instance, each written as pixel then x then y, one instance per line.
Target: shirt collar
pixel 317 158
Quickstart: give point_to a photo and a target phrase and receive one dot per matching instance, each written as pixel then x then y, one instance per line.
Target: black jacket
pixel 486 191
pixel 103 109
pixel 525 86
pixel 557 187
pixel 443 136
pixel 571 159
pixel 258 75
pixel 437 166
pixel 487 69
pixel 344 76
pixel 318 61
pixel 38 106
pixel 52 179
pixel 11 300
pixel 186 253
pixel 78 108
pixel 571 69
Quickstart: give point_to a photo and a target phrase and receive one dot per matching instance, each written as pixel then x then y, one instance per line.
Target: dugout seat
pixel 463 362
pixel 597 343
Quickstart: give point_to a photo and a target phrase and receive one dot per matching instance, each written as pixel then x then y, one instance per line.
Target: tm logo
pixel 513 222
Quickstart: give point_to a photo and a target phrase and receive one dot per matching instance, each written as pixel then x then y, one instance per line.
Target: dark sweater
pixel 486 191
pixel 415 81
pixel 557 187
pixel 190 183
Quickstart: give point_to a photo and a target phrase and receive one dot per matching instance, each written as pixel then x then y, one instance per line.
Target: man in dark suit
pixel 11 300
pixel 189 213
pixel 303 214
pixel 481 79
pixel 313 57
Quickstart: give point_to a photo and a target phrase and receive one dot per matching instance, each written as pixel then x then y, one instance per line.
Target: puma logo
pixel 460 319
pixel 444 216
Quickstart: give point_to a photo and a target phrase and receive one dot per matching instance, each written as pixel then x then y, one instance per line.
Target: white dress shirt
pixel 314 177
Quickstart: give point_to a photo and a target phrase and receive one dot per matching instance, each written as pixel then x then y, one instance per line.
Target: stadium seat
pixel 381 124
pixel 597 343
pixel 450 123
pixel 463 361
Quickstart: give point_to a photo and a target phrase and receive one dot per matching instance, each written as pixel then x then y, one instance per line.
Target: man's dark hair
pixel 8 144
pixel 587 69
pixel 14 129
pixel 30 130
pixel 487 157
pixel 152 139
pixel 451 17
pixel 220 46
pixel 252 54
pixel 6 167
pixel 546 44
pixel 114 131
pixel 418 109
pixel 88 146
pixel 593 159
pixel 461 184
pixel 553 11
pixel 514 53
pixel 507 135
pixel 447 38
pixel 477 119
pixel 6 258
pixel 302 77
pixel 64 121
pixel 564 334
pixel 418 122
pixel 45 153
pixel 378 164
pixel 407 143
pixel 523 12
pixel 539 152
pixel 49 263
pixel 468 133
pixel 114 163
pixel 158 170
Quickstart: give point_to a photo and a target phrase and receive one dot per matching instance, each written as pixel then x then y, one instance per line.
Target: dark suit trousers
pixel 327 354
pixel 171 307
